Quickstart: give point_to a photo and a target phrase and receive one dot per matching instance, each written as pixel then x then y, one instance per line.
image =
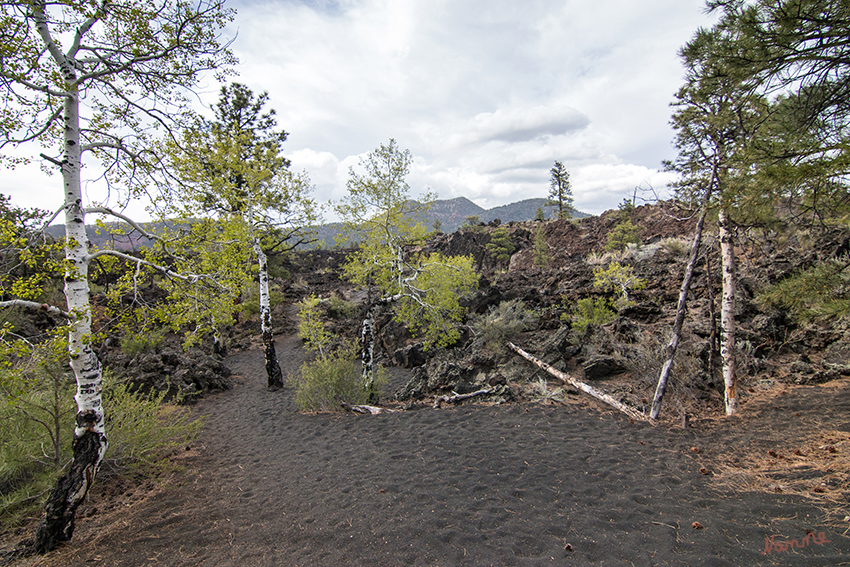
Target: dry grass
pixel 816 468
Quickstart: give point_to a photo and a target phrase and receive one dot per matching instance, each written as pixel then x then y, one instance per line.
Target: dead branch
pixel 586 388
pixel 366 409
pixel 455 397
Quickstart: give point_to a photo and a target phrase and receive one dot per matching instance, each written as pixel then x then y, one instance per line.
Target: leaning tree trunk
pixel 727 315
pixel 57 523
pixel 681 310
pixel 273 370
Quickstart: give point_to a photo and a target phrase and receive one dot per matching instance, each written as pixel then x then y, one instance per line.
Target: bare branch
pixel 34 306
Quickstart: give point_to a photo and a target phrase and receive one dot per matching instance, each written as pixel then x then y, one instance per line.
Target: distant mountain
pixel 450 212
pixel 525 210
pixel 110 237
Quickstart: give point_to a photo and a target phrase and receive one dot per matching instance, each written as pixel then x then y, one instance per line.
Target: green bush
pixel 138 343
pixel 502 323
pixel 675 246
pixel 27 472
pixel 332 379
pixel 541 250
pixel 143 429
pixel 589 312
pixel 618 278
pixel 500 246
pixel 339 308
pixel 251 304
pixel 621 236
pixel 818 293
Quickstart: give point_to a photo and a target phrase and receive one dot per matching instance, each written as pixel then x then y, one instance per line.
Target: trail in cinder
pixel 470 485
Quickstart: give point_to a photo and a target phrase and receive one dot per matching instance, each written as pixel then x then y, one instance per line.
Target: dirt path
pixel 472 485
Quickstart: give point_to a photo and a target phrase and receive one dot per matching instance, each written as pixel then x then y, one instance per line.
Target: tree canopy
pixel 379 212
pixel 106 80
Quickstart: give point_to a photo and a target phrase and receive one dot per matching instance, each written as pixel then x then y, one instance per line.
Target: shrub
pixel 675 246
pixel 311 330
pixel 539 215
pixel 541 392
pixel 251 304
pixel 502 323
pixel 143 429
pixel 818 293
pixel 342 309
pixel 541 250
pixel 500 246
pixel 619 278
pixel 137 343
pixel 589 312
pixel 621 236
pixel 335 378
pixel 33 446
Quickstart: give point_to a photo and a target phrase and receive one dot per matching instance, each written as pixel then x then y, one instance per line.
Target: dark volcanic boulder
pixel 410 356
pixel 601 367
pixel 170 370
pixel 645 312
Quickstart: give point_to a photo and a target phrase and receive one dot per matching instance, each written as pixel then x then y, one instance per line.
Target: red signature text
pixel 771 543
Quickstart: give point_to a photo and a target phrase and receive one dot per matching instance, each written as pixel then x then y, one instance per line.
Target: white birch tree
pixel 425 289
pixel 103 79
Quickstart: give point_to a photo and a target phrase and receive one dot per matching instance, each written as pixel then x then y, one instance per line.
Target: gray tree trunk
pixel 681 310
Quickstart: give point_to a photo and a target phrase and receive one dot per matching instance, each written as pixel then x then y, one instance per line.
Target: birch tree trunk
pixel 681 310
pixel 712 315
pixel 275 375
pixel 367 353
pixel 89 445
pixel 727 315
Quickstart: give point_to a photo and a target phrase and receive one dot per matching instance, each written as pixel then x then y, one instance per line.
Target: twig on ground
pixel 455 397
pixel 366 409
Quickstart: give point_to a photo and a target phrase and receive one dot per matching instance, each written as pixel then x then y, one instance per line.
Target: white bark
pixel 84 362
pixel 586 388
pixel 374 410
pixel 367 355
pixel 275 374
pixel 35 306
pixel 454 398
pixel 727 315
pixel 90 441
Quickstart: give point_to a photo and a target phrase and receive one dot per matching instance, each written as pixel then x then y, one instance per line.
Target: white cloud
pixel 486 95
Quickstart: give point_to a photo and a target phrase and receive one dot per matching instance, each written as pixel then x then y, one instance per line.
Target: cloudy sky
pixel 486 94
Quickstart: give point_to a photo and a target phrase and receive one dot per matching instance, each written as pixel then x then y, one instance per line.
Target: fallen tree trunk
pixel 586 388
pixel 459 397
pixel 366 409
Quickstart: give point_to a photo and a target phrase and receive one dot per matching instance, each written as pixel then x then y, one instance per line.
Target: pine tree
pixel 232 168
pixel 541 250
pixel 500 246
pixel 559 190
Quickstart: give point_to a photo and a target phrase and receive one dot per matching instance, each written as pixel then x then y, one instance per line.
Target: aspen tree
pixel 102 79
